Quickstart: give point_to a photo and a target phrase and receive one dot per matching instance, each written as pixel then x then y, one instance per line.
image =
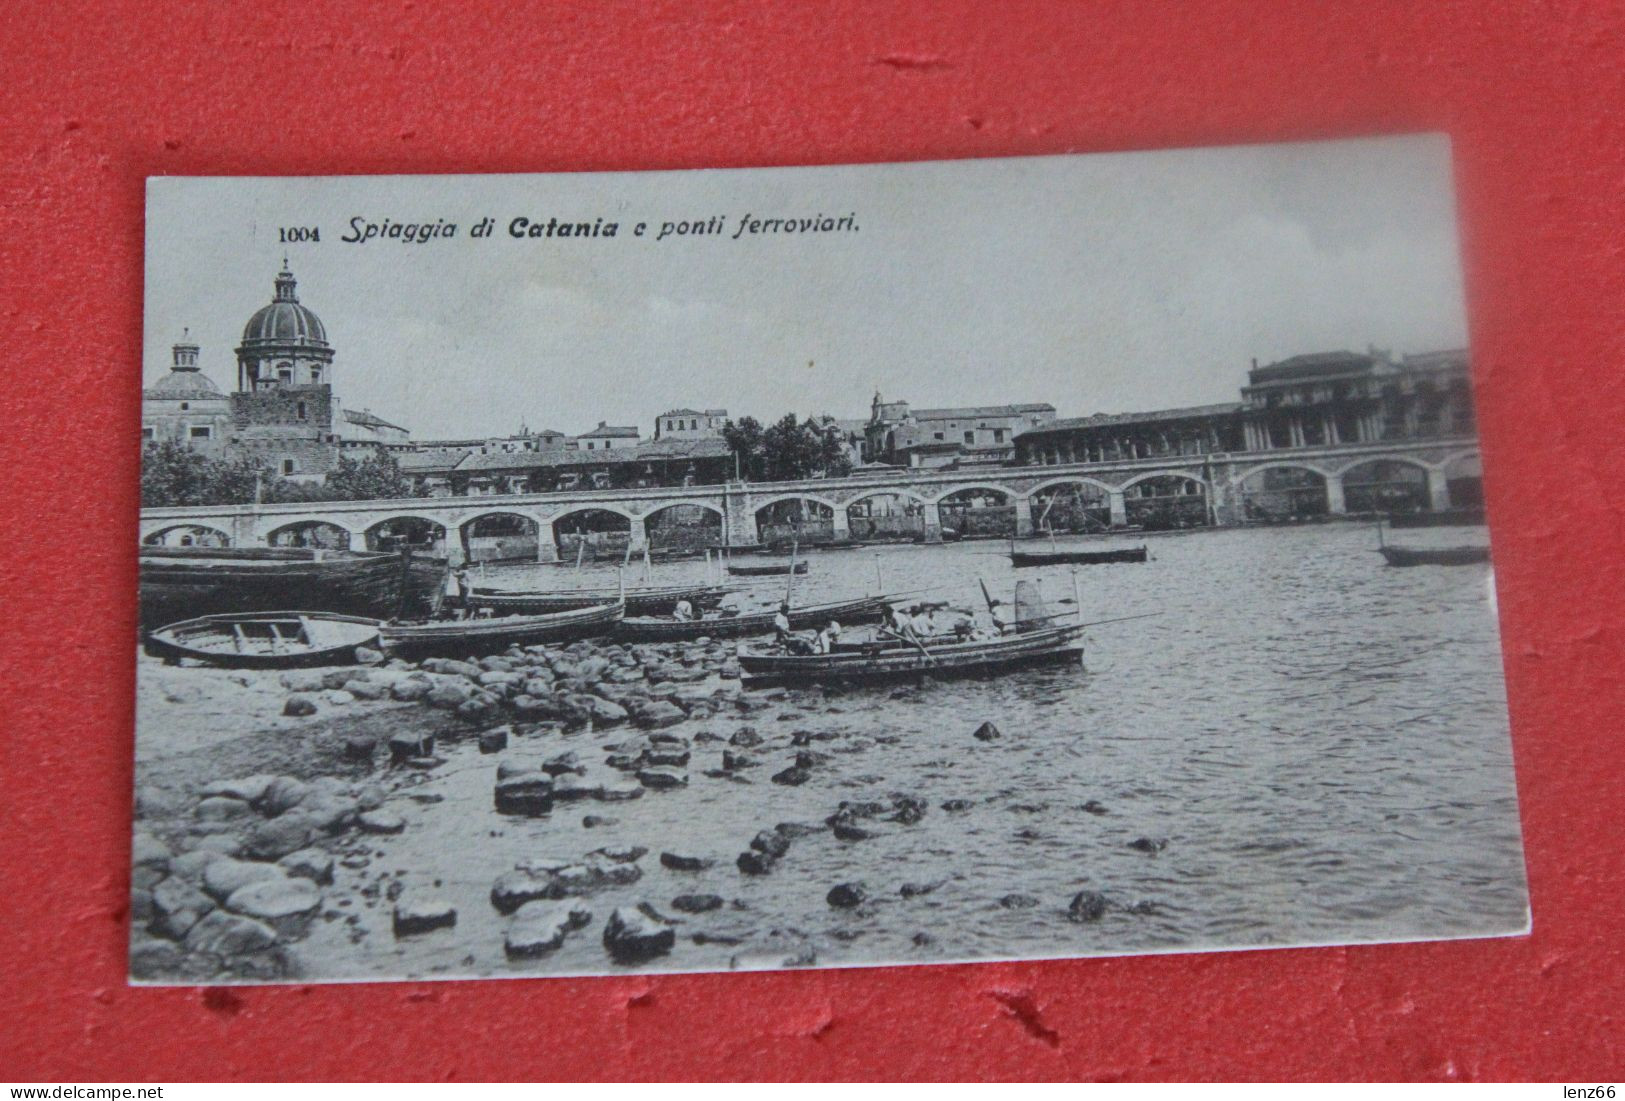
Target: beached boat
pixel 1435 556
pixel 1064 556
pixel 265 640
pixel 891 659
pixel 476 636
pixel 1438 518
pixel 647 601
pixel 867 609
pixel 766 569
pixel 187 582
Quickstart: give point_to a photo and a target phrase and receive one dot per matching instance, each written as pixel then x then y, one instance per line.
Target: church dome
pixel 184 382
pixel 285 321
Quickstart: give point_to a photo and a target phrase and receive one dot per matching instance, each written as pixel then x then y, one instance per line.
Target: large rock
pixel 672 756
pixel 147 852
pixel 752 862
pixel 299 705
pixel 230 934
pixel 380 821
pixel 221 808
pixel 177 906
pixel 659 713
pixel 449 696
pixel 604 712
pixel 845 896
pixel 684 862
pixel 987 732
pixel 662 778
pixel 249 789
pixel 696 904
pixel 270 899
pixel 771 842
pixel 794 776
pixel 635 935
pixel 277 838
pixel 745 738
pixel 281 795
pixel 423 915
pixel 404 745
pixel 540 927
pixel 315 865
pixel 1087 907
pixel 409 690
pixel 494 740
pixel 621 791
pixel 226 876
pixel 303 680
pixel 366 689
pixel 569 787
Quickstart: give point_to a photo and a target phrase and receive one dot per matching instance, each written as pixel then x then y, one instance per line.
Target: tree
pixel 789 449
pixel 174 474
pixel 745 439
pixel 376 477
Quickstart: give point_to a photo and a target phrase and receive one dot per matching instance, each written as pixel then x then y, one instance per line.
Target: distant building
pixel 1311 400
pixel 655 463
pixel 967 435
pixel 691 424
pixel 284 411
pixel 185 406
pixel 607 436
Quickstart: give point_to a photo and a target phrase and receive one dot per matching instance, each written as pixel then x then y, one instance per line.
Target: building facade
pixel 185 406
pixel 607 436
pixel 981 435
pixel 691 424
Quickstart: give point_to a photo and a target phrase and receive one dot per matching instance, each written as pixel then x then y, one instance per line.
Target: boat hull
pixel 776 569
pixel 1440 518
pixel 240 641
pixel 485 636
pixel 644 602
pixel 1023 559
pixel 891 662
pixel 1431 556
pixel 186 583
pixel 866 610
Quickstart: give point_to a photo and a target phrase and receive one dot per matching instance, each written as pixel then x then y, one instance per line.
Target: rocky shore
pixel 248 845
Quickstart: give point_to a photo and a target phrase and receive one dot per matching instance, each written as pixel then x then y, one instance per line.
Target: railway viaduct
pixel 1222 482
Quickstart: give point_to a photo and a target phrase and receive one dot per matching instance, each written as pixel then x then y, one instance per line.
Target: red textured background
pixel 96 99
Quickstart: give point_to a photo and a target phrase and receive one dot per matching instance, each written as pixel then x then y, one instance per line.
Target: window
pixel 287 466
pixel 970 437
pixel 201 432
pixel 284 373
pixel 315 375
pixel 148 432
pixel 186 405
pixel 301 410
pixel 936 435
pixel 998 435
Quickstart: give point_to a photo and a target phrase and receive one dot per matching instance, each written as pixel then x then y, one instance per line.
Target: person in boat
pixel 784 636
pixel 730 605
pixel 828 637
pixel 684 612
pixel 458 593
pixel 925 622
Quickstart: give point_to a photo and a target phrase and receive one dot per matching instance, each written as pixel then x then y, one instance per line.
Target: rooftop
pixel 654 451
pixel 969 412
pixel 368 420
pixel 614 431
pixel 1102 420
pixel 1312 365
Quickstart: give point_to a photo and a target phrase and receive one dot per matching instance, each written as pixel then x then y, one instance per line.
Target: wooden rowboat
pixel 1438 518
pixel 265 640
pixel 186 582
pixel 770 569
pixel 1020 559
pixel 1435 556
pixel 649 601
pixel 884 661
pixel 474 636
pixel 866 609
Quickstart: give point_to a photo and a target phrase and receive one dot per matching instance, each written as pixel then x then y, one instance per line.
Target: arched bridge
pixel 1167 491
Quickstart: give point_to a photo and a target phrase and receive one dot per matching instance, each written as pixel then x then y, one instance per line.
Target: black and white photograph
pixel 861 565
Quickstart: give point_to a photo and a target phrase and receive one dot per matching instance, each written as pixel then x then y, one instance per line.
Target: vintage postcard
pixel 804 567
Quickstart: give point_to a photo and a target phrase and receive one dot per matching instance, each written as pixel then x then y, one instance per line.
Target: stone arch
pixel 787 520
pixel 1386 485
pixel 1283 492
pixel 499 535
pixel 595 530
pixel 1070 505
pixel 1166 500
pixel 682 527
pixel 407 529
pixel 966 511
pixel 190 533
pixel 317 532
pixel 888 513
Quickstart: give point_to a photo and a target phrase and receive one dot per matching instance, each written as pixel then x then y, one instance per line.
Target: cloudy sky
pixel 1100 283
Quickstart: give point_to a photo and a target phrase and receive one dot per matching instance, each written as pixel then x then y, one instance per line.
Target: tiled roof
pixel 429 462
pixel 368 420
pixel 1311 365
pixel 614 431
pixel 1102 420
pixel 683 413
pixel 656 450
pixel 968 412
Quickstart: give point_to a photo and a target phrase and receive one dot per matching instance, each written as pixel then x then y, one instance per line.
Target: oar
pixel 581 552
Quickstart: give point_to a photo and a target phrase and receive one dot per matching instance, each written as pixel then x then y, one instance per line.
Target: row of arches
pixel 1276 493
